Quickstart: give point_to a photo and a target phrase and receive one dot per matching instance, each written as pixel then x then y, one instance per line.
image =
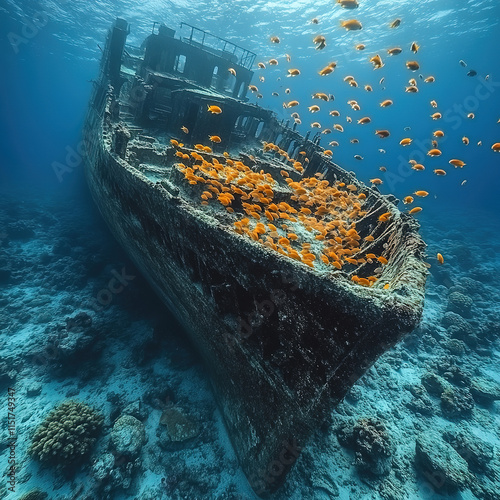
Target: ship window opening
pixel 260 127
pixel 215 77
pixel 230 83
pixel 180 63
pixel 278 139
pixel 241 91
pixel 296 151
pixel 291 148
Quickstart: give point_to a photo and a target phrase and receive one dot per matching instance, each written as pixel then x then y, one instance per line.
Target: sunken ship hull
pixel 281 342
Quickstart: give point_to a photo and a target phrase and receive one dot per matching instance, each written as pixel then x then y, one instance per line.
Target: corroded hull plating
pixel 282 343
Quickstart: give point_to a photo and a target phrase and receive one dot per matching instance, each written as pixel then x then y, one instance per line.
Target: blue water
pixel 50 52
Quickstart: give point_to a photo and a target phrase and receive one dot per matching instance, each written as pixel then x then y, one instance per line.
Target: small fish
pixel 320 95
pixel 253 88
pixel 382 169
pixel 351 25
pixel 364 120
pixel 415 210
pixel 291 104
pixel 315 125
pixel 463 182
pixel 436 116
pixel 326 131
pixel 275 94
pixel 434 152
pixel 496 147
pixel 338 127
pixel 358 157
pixel 422 194
pixel 395 23
pixel 376 181
pixel 382 133
pixel 411 89
pixel 333 143
pixel 434 104
pixel 214 109
pixel 261 78
pixel 386 103
pixel 412 82
pixel 185 130
pixel 418 166
pixel 275 39
pixel 462 63
pixel 232 71
pixel 326 70
pixel 348 4
pixel 440 258
pixel 414 47
pixel 320 42
pixel 465 140
pixel 412 65
pixel 331 97
pixel 439 171
pixel 273 62
pixel 314 21
pixel 368 88
pixel 408 200
pixel 328 152
pixel 214 138
pixel 360 46
pixel 348 119
pixel 480 143
pixel 354 141
pixel 438 133
pixel 377 62
pixel 394 51
pixel 406 129
pixel 471 116
pixel 313 109
pixel 287 91
pixel 429 79
pixel 261 65
pixel 457 163
pixel 381 151
pixel 406 141
pixel 381 81
pixel 471 73
pixel 334 113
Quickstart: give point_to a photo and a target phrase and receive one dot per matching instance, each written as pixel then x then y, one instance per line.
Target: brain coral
pixel 66 435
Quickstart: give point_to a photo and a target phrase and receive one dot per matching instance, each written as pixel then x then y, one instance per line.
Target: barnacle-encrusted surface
pixel 67 434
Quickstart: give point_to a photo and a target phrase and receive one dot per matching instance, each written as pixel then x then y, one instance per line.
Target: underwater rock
pixel 434 384
pixel 475 451
pixel 35 494
pixel 67 434
pixel 460 304
pixel 421 403
pixel 440 464
pixel 101 469
pixel 452 319
pixel 128 436
pixel 485 391
pixel 456 403
pixel 176 427
pixel 20 230
pixel 34 389
pixel 455 346
pixel 371 443
pixel 137 410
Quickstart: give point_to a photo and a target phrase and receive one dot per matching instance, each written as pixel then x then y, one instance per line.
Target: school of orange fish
pixel 316 225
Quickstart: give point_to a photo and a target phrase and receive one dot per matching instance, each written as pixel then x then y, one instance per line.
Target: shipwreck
pixel 290 276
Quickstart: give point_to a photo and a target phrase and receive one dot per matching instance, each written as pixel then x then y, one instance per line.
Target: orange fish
pixel 185 130
pixel 465 140
pixel 382 133
pixel 418 166
pixel 394 51
pixel 214 138
pixel 414 47
pixel 351 25
pixel 434 104
pixel 429 79
pixel 422 194
pixel 214 109
pixel 407 200
pixel 406 141
pixel 440 258
pixel 471 116
pixel 261 65
pixel 496 147
pixel 360 46
pixel 438 133
pixel 412 65
pixel 415 210
pixel 364 120
pixel 386 103
pixel 434 152
pixel 457 163
pixel 439 171
pixel 376 181
pixel 377 62
pixel 395 23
